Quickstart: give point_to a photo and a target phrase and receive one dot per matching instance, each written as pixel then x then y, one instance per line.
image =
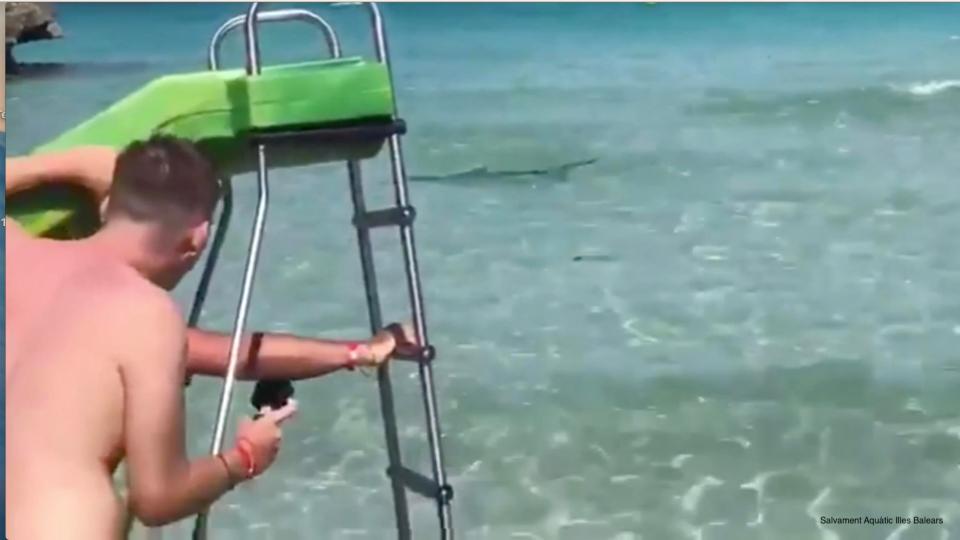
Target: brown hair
pixel 163 179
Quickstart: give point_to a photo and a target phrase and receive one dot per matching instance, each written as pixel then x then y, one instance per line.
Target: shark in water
pixel 483 174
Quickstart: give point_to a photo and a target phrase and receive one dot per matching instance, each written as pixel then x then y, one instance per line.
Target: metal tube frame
pixel 223 225
pixel 401 197
pixel 213 63
pixel 249 274
pixel 387 411
pixel 280 15
pixel 253 66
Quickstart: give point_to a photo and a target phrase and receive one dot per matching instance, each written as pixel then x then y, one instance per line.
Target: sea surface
pixel 762 327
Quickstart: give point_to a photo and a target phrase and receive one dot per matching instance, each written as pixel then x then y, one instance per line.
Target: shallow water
pixel 761 330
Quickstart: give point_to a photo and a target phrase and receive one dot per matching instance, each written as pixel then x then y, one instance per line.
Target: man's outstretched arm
pixel 282 356
pixel 89 167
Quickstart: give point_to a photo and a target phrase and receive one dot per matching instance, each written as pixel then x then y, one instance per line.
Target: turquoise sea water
pixel 768 332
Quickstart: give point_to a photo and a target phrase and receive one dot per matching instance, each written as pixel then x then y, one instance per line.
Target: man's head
pixel 167 191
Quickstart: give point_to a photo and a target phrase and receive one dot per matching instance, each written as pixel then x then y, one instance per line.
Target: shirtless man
pixel 277 356
pixel 97 352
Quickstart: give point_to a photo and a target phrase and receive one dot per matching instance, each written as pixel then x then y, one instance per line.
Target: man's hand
pixel 88 166
pixel 384 343
pixel 261 439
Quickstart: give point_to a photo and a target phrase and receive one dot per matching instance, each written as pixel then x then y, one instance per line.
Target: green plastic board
pixel 217 110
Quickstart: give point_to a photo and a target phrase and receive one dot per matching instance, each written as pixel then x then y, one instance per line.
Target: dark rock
pixel 26 22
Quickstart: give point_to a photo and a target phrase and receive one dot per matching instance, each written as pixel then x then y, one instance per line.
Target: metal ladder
pixel 401 215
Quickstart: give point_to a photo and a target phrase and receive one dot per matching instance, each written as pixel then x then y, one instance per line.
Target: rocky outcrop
pixel 26 22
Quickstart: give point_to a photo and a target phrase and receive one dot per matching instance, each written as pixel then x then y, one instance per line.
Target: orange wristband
pixel 245 448
pixel 353 352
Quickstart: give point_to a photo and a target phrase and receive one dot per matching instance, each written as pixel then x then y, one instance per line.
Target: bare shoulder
pixel 138 309
pixel 139 296
pixel 13 231
pixel 17 239
pixel 149 334
pixel 153 304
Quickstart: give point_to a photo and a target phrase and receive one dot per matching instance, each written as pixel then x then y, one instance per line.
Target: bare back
pixel 35 268
pixel 65 394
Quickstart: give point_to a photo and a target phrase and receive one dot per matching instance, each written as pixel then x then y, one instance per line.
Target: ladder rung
pixel 414 353
pixel 420 484
pixel 398 215
pixel 369 129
